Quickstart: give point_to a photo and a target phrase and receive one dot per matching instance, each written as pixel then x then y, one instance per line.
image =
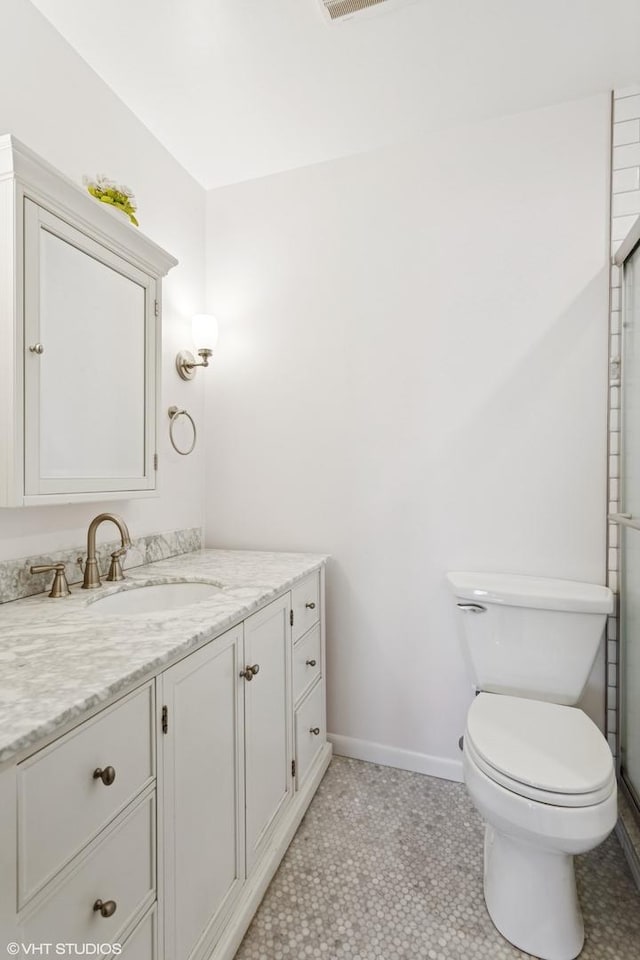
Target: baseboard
pixel 395 757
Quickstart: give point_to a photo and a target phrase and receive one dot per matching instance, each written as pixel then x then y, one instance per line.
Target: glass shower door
pixel 629 680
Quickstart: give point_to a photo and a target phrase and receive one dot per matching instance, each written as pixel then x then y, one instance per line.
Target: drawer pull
pixel 315 731
pixel 249 672
pixel 107 775
pixel 311 663
pixel 310 605
pixel 107 908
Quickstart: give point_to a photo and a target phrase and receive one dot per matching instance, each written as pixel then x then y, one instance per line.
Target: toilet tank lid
pixel 540 592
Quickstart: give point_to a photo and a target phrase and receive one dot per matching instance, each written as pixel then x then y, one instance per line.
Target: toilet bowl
pixel 537 769
pixel 542 778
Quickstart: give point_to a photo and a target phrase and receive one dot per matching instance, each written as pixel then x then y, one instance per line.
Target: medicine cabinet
pixel 80 307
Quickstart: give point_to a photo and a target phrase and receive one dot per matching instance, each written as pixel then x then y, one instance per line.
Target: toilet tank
pixel 529 636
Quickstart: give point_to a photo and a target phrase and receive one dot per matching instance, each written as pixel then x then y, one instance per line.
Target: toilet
pixel 538 770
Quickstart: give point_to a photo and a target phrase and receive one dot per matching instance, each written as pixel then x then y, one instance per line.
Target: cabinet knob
pixel 37 348
pixel 107 775
pixel 249 672
pixel 107 908
pixel 310 605
pixel 315 731
pixel 311 663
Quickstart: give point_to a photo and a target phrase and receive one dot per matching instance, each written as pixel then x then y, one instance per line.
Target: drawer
pixel 62 806
pixel 307 666
pixel 119 867
pixel 309 717
pixel 142 943
pixel 305 603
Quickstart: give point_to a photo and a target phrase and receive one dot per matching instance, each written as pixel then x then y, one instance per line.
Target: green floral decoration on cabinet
pixel 118 195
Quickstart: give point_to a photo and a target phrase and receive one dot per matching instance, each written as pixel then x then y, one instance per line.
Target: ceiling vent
pixel 343 9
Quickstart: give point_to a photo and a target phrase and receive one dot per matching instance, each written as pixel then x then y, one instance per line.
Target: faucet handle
pixel 115 567
pixel 59 587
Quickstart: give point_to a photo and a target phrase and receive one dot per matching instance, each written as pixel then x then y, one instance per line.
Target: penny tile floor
pixel 387 865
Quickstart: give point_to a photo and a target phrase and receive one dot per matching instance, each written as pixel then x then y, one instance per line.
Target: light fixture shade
pixel 204 328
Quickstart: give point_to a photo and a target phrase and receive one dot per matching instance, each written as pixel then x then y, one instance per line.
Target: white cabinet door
pixel 83 300
pixel 269 783
pixel 203 793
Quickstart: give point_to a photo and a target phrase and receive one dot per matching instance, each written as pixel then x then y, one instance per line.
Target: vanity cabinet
pixel 308 672
pixel 244 750
pixel 158 823
pixel 268 733
pixel 86 829
pixel 227 756
pixel 118 743
pixel 80 307
pixel 203 760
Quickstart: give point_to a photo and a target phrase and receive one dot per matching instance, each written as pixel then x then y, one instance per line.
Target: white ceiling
pixel 237 89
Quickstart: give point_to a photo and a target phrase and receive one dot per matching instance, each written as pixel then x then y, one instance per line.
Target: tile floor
pixel 387 865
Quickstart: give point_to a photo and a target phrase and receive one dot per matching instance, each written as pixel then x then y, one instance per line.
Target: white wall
pixel 55 103
pixel 412 377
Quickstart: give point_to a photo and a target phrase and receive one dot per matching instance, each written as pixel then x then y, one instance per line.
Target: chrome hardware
pixel 310 605
pixel 115 568
pixel 624 520
pixel 37 348
pixel 315 731
pixel 311 663
pixel 461 743
pixel 186 362
pixel 59 587
pixel 91 572
pixel 107 908
pixel 249 672
pixel 472 608
pixel 107 775
pixel 174 414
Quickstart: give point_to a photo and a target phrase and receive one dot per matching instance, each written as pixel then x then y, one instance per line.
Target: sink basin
pixel 153 598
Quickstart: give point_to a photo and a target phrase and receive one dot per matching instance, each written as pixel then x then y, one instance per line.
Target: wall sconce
pixel 205 336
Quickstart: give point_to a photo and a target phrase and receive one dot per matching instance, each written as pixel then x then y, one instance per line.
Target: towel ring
pixel 174 415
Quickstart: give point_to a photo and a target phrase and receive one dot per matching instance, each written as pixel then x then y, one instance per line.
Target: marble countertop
pixel 60 659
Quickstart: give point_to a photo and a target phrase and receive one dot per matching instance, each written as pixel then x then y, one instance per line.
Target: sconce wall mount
pixel 186 363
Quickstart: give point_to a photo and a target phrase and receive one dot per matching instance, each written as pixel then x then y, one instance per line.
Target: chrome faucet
pixel 91 572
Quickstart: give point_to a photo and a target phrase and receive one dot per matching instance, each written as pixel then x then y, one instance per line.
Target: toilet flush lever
pixel 472 608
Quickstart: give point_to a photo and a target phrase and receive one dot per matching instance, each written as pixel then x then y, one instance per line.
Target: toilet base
pixel 531 897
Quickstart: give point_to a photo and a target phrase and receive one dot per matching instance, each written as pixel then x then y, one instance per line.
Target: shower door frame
pixel 626 522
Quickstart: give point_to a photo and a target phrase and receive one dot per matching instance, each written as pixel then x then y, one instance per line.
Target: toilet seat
pixel 543 751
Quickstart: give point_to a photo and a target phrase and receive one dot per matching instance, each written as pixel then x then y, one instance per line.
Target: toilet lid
pixel 549 747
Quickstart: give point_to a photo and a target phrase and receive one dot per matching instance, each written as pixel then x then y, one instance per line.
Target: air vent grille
pixel 344 8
